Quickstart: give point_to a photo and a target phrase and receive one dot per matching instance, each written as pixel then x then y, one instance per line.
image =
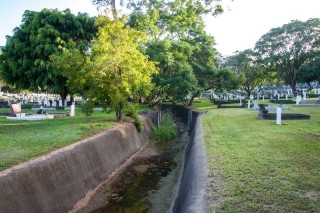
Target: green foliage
pixel 132 111
pixel 247 66
pixel 310 71
pixel 25 57
pixel 288 47
pixel 87 108
pixel 116 70
pixel 178 41
pixel 166 131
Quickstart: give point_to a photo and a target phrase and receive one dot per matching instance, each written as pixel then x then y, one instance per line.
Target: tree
pixel 26 55
pixel 178 41
pixel 204 6
pixel 309 72
pixel 250 71
pixel 117 71
pixel 288 47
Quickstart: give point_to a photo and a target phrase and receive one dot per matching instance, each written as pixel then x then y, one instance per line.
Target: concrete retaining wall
pixel 192 190
pixel 55 182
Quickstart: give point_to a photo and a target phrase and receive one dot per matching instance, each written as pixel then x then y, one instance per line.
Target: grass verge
pixel 258 166
pixel 23 140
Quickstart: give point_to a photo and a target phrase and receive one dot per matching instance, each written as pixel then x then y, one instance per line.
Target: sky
pixel 238 28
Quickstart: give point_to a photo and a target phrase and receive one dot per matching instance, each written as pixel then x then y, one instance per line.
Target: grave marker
pixel 72 109
pixel 279 116
pixel 14 109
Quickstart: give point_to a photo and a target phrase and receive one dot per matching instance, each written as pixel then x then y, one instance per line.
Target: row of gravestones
pixel 45 103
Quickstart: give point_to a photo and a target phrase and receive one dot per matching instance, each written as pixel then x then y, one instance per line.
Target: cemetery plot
pixel 264 114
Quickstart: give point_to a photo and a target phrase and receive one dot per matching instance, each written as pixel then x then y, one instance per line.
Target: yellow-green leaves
pixel 118 70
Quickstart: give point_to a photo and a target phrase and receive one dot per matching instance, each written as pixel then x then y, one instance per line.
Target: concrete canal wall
pixel 55 182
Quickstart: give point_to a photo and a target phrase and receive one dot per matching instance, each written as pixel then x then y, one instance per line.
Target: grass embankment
pixel 23 140
pixel 258 166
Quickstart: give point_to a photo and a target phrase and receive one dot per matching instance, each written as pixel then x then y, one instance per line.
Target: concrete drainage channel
pixel 73 178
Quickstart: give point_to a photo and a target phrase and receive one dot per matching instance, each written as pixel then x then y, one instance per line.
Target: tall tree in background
pixel 288 47
pixel 247 66
pixel 178 41
pixel 25 58
pixel 310 71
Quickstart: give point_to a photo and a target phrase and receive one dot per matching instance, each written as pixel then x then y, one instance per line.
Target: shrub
pixel 87 108
pixel 132 111
pixel 166 131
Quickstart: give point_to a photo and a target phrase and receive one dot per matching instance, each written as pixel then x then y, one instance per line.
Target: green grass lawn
pixel 258 166
pixel 23 140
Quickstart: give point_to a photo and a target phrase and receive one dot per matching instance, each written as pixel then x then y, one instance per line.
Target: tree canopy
pixel 310 71
pixel 115 71
pixel 247 66
pixel 288 47
pixel 178 41
pixel 26 55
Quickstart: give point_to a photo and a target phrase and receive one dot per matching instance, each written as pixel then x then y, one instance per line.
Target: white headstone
pixel 248 104
pixel 279 115
pixel 319 91
pixel 240 101
pixel 304 96
pixel 258 97
pixel 278 96
pixel 65 103
pixel 298 99
pixel 54 103
pixel 72 110
pixel 251 97
pixel 286 96
pixel 263 97
pixel 60 103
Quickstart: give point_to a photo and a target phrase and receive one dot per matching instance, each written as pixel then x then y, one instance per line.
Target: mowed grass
pixel 23 140
pixel 258 166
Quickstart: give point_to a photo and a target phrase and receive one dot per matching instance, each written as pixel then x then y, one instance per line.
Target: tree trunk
pixel 113 9
pixel 192 99
pixel 64 94
pixel 119 112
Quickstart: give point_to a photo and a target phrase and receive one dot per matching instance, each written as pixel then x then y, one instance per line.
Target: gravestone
pixel 304 96
pixel 15 109
pixel 72 110
pixel 298 99
pixel 263 112
pixel 278 116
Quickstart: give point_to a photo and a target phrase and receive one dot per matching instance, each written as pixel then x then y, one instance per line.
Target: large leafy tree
pixel 26 55
pixel 288 47
pixel 247 66
pixel 178 41
pixel 116 71
pixel 309 72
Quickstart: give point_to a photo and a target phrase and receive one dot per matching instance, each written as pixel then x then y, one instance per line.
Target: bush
pixel 132 112
pixel 166 131
pixel 87 108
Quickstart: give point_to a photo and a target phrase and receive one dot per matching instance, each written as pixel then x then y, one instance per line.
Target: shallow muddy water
pixel 148 184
